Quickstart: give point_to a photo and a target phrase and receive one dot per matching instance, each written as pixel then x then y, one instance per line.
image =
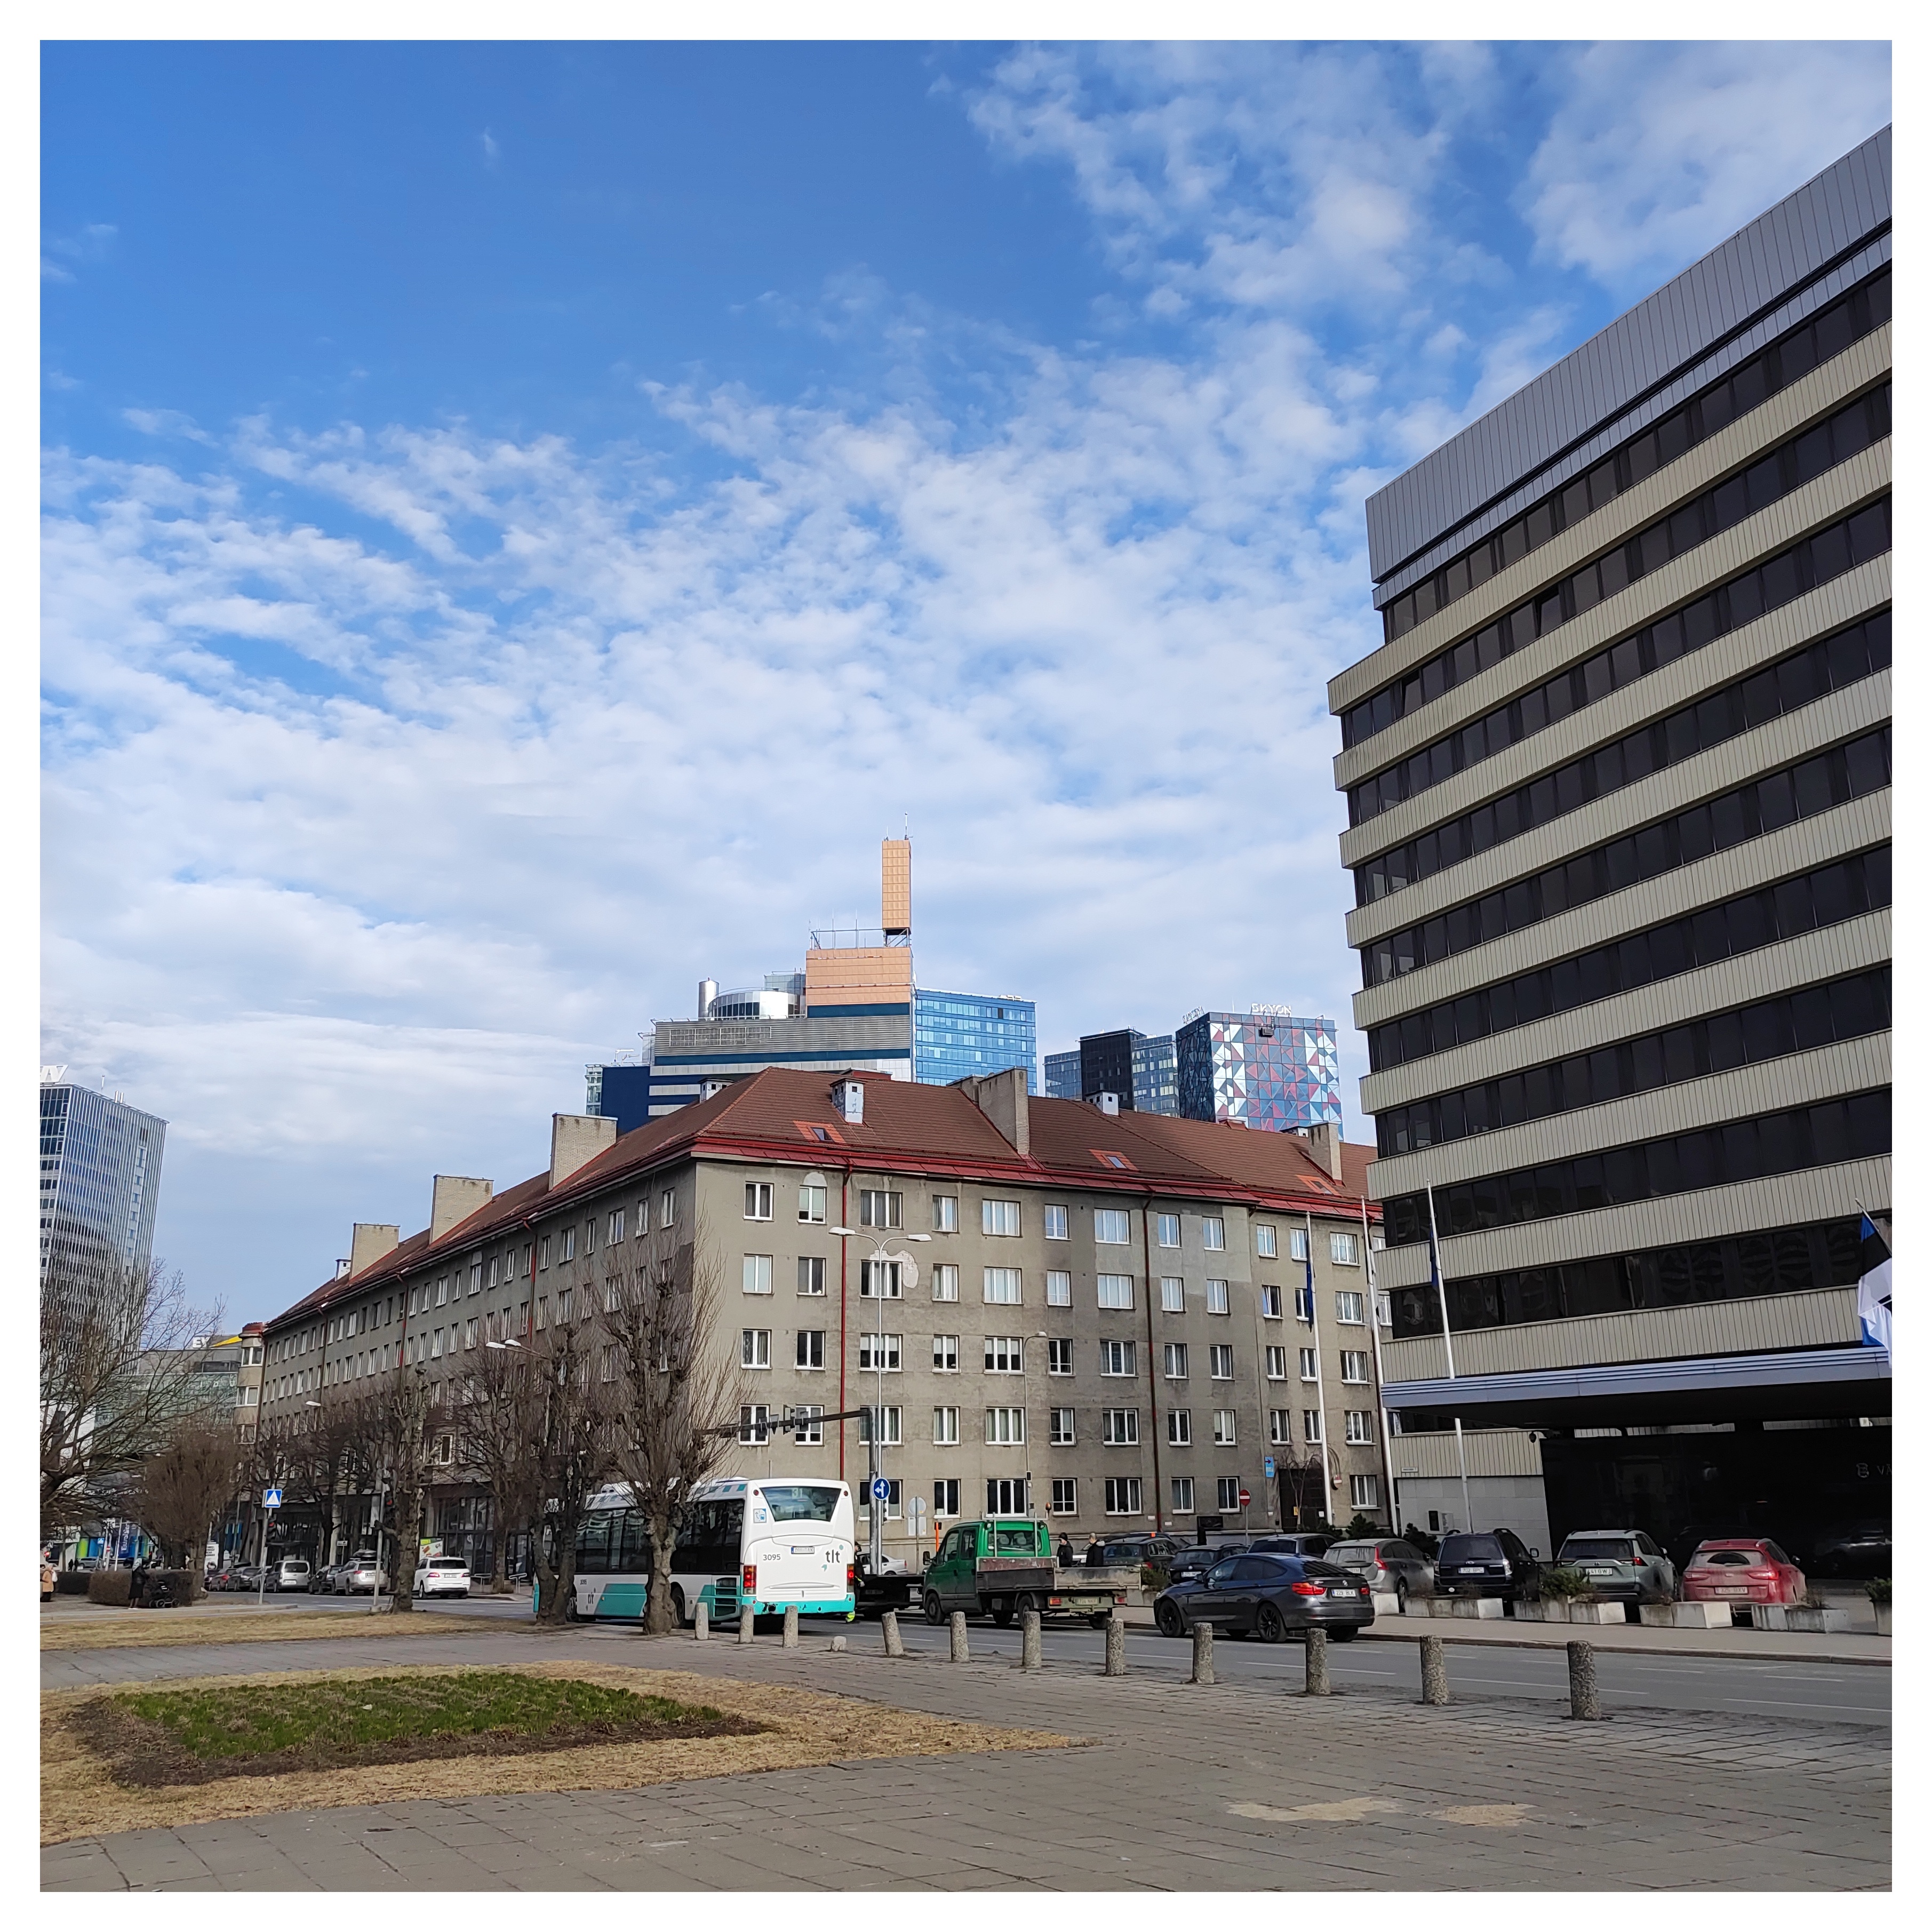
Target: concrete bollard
pixel 958 1634
pixel 1117 1644
pixel 1030 1640
pixel 700 1623
pixel 888 1628
pixel 1434 1672
pixel 837 1643
pixel 1315 1681
pixel 744 1625
pixel 1204 1654
pixel 1583 1701
pixel 791 1626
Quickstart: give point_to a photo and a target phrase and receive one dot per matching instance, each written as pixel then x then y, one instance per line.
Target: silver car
pixel 360 1574
pixel 1390 1566
pixel 291 1573
pixel 1625 1565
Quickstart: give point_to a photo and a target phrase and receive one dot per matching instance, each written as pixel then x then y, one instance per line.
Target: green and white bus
pixel 772 1542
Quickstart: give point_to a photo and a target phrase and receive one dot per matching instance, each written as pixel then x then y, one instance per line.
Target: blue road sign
pixel 881 1489
pixel 271 1499
pixel 1267 1467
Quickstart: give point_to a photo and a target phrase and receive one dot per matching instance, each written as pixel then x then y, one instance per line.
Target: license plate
pixel 1598 1569
pixel 1473 1569
pixel 1345 1593
pixel 1728 1590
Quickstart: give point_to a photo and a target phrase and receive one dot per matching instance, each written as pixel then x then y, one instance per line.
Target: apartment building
pixel 1619 820
pixel 1113 1321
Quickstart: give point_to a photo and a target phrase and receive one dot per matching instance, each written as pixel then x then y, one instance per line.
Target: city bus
pixel 772 1541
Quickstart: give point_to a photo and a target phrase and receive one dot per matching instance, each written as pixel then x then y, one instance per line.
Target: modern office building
pixel 1619 821
pixel 1137 1068
pixel 957 1035
pixel 1063 1075
pixel 1263 1068
pixel 100 1179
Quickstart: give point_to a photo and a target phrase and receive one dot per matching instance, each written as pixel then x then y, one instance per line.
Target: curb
pixel 1372 1635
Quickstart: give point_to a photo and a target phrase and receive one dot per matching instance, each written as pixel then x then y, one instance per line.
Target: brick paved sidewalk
pixel 1182 1788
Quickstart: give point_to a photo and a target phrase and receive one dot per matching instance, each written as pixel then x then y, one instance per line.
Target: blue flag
pixel 1874 1286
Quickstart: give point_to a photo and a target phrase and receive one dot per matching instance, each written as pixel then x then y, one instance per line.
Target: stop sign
pixel 1245 1499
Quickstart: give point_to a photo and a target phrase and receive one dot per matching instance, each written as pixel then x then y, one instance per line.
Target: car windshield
pixel 800 1502
pixel 1597 1549
pixel 1471 1550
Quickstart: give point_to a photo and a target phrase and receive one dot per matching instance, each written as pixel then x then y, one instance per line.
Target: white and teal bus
pixel 772 1542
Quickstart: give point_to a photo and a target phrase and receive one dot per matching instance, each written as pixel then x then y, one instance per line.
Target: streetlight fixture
pixel 511 1344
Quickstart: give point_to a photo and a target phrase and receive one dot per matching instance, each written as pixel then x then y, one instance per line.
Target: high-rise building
pixel 100 1178
pixel 1263 1068
pixel 957 1035
pixel 1107 1064
pixel 1063 1075
pixel 1619 807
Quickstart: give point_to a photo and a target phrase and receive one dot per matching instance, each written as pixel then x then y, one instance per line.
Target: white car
pixel 443 1576
pixel 360 1574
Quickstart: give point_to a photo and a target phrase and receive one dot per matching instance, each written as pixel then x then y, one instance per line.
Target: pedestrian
pixel 1065 1551
pixel 1093 1557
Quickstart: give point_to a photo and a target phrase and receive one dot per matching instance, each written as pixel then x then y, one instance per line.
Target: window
pixel 1110 1226
pixel 1310 1370
pixel 808 1431
pixel 758 1274
pixel 616 1234
pixel 1059 1428
pixel 1213 1232
pixel 589 1237
pixel 436 1346
pixel 1221 1360
pixel 1006 1495
pixel 999 1217
pixel 1384 1312
pixel 1217 1297
pixel 613 1295
pixel 811 1274
pixel 1002 1285
pixel 1355 1427
pixel 607 1369
pixel 878 1355
pixel 1224 1427
pixel 946 1496
pixel 946 1427
pixel 667 1208
pixel 1174 1361
pixel 469 1333
pixel 754 1424
pixel 946 1213
pixel 889 1425
pixel 1227 1492
pixel 476 1275
pixel 1274 1364
pixel 892 1503
pixel 1311 1425
pixel 1304 1304
pixel 1179 1427
pixel 1365 1493
pixel 643 1220
pixel 1280 1430
pixel 565 1296
pixel 1117 1358
pixel 1173 1296
pixel 1120 1428
pixel 811 1347
pixel 1298 1244
pixel 946 1283
pixel 812 1204
pixel 1004 1355
pixel 1264 1243
pixel 1124 1495
pixel 1056 1223
pixel 878 1281
pixel 1006 1426
pixel 1341 1250
pixel 945 1355
pixel 442 1283
pixel 754 1349
pixel 1270 1297
pixel 880 1208
pixel 1354 1365
pixel 1167 1231
pixel 1065 1496
pixel 1059 1288
pixel 1348 1309
pixel 490 1279
pixel 1181 1490
pixel 1060 1355
pixel 1117 1290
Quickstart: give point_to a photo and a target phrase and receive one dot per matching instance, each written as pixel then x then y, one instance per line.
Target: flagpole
pixel 1449 1351
pixel 1376 1331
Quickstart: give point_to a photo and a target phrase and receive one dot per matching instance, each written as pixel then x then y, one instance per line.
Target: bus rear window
pixel 800 1502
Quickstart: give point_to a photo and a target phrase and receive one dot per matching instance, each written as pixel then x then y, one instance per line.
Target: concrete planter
pixel 1438 1606
pixel 1685 1616
pixel 1386 1603
pixel 1768 1616
pixel 1485 1608
pixel 1551 1612
pixel 1596 1613
pixel 1882 1616
pixel 1818 1621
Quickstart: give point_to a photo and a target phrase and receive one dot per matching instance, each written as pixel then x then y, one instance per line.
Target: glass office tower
pixel 1063 1075
pixel 100 1177
pixel 956 1035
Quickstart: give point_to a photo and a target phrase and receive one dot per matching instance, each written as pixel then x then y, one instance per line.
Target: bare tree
pixel 680 1392
pixel 575 1415
pixel 397 1423
pixel 1304 1491
pixel 178 1491
pixel 267 1461
pixel 499 1427
pixel 322 1457
pixel 117 1374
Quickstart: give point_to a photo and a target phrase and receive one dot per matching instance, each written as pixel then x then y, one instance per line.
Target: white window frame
pixel 758 1274
pixel 1227 1493
pixel 1122 1495
pixel 1213 1234
pixel 1059 1355
pixel 811 1343
pixel 754 1349
pixel 1358 1427
pixel 1063 1496
pixel 1006 1428
pixel 1120 1428
pixel 1003 1354
pixel 946 1282
pixel 1348 1309
pixel 1270 1301
pixel 812 1204
pixel 946 1426
pixel 1173 1294
pixel 995 1215
pixel 1221 1361
pixel 946 1213
pixel 1167 1231
pixel 1365 1493
pixel 1000 1287
pixel 1274 1364
pixel 1298 1244
pixel 946 1499
pixel 1113 1227
pixel 945 1355
pixel 1059 1428
pixel 812 1277
pixel 1217 1296
pixel 757 1200
pixel 1310 1369
pixel 1180 1495
pixel 893 1209
pixel 1355 1366
pixel 1117 1359
pixel 1174 1361
pixel 1281 1428
pixel 1226 1422
pixel 1115 1291
pixel 1266 1241
pixel 1311 1427
pixel 1059 1288
pixel 1343 1251
pixel 1180 1428
pixel 873 1345
pixel 1053 1222
pixel 754 1424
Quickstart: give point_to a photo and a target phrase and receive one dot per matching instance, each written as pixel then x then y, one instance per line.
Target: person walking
pixel 1094 1558
pixel 1065 1551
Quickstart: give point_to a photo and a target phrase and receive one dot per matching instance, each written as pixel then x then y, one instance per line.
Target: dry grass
pixel 150 1630
pixel 79 1798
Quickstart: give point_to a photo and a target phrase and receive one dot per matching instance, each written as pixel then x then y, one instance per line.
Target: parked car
pixel 1294 1543
pixel 888 1588
pixel 1488 1563
pixel 1742 1570
pixel 1853 1549
pixel 1624 1565
pixel 291 1573
pixel 1273 1596
pixel 321 1579
pixel 247 1576
pixel 442 1576
pixel 1390 1567
pixel 1196 1559
pixel 360 1574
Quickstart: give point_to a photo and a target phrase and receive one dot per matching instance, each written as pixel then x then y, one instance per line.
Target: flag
pixel 1874 1285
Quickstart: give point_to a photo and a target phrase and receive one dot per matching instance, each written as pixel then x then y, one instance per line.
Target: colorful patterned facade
pixel 1265 1070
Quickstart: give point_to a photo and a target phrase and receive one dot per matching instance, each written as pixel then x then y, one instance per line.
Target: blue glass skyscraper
pixel 957 1035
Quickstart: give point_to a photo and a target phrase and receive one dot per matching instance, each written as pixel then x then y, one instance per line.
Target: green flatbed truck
pixel 1002 1566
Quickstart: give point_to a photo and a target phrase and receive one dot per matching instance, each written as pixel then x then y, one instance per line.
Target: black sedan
pixel 1274 1597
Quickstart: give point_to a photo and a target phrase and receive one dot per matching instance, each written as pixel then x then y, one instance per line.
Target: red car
pixel 1742 1570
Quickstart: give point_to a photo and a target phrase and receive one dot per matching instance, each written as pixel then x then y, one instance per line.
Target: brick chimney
pixel 1002 1098
pixel 368 1242
pixel 1324 1143
pixel 455 1198
pixel 575 1141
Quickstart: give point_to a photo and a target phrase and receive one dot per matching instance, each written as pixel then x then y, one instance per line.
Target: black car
pixel 1488 1563
pixel 1197 1559
pixel 1852 1550
pixel 1272 1597
pixel 1294 1543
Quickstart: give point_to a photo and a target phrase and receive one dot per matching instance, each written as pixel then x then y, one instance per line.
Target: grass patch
pixel 190 1736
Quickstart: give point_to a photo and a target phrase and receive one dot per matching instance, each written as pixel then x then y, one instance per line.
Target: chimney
pixel 455 1198
pixel 1324 1143
pixel 1108 1103
pixel 369 1241
pixel 849 1097
pixel 341 1267
pixel 1002 1098
pixel 575 1141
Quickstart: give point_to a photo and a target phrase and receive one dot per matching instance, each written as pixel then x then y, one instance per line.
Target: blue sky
pixel 521 522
